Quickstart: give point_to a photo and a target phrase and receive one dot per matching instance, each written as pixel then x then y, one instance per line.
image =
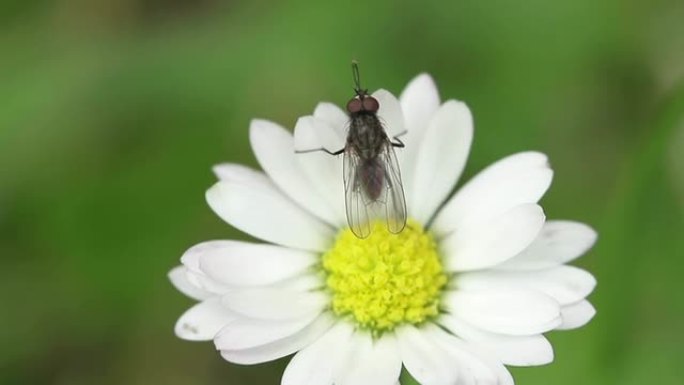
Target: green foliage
pixel 112 113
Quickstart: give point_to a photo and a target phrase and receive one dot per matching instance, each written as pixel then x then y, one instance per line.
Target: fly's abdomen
pixel 372 175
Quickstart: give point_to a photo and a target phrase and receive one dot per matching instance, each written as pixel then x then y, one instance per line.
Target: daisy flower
pixel 470 285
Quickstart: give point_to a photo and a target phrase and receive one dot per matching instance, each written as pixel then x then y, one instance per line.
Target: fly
pixel 372 180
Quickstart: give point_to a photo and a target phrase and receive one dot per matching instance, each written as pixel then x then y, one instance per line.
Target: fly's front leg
pixel 397 142
pixel 333 153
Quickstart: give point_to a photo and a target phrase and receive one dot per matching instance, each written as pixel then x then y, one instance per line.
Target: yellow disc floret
pixel 386 279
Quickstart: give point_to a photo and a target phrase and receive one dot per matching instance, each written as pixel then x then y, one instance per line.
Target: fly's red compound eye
pixel 355 105
pixel 370 104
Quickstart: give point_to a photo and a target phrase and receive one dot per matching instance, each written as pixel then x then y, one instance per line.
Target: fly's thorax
pixel 366 134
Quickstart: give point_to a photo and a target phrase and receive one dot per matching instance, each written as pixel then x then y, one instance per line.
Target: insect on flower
pixel 372 179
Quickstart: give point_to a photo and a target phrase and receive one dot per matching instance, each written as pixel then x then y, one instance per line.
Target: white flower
pixel 470 284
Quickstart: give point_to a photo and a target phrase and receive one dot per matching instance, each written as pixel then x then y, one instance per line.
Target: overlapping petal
pixel 390 113
pixel 281 347
pixel 513 181
pixel 179 278
pixel 238 173
pixel 424 359
pixel 317 363
pixel 369 361
pixel 194 274
pixel 238 263
pixel 441 158
pixel 490 243
pixel 475 366
pixel 202 321
pixel 576 315
pixel 244 333
pixel 273 303
pixel 273 147
pixel 566 284
pixel 558 242
pixel 335 118
pixel 515 311
pixel 419 101
pixel 311 136
pixel 265 213
pixel 511 350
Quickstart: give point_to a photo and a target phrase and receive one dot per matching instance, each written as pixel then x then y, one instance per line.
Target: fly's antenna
pixel 357 79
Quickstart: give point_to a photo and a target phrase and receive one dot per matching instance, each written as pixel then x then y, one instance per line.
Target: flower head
pixel 385 280
pixel 470 285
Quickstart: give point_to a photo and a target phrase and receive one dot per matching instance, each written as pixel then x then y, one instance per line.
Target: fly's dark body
pixel 372 180
pixel 367 139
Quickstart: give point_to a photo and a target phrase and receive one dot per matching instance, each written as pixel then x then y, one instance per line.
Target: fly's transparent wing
pixel 373 189
pixel 395 202
pixel 355 198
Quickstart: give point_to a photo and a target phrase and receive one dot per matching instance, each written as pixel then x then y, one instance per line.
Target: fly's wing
pixel 355 198
pixel 395 202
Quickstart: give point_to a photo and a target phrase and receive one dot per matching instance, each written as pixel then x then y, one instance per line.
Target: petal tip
pixel 260 128
pixel 422 85
pixel 221 170
pixel 214 198
pixel 423 79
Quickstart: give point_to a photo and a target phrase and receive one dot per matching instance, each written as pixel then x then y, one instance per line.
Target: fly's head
pixel 362 103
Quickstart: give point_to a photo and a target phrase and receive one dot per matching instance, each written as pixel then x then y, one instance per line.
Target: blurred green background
pixel 112 113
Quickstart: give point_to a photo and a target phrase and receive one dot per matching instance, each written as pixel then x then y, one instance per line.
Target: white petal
pixel 566 284
pixel 275 304
pixel 475 366
pixel 202 321
pixel 191 260
pixel 191 257
pixel 492 243
pixel 248 264
pixel 266 214
pixel 511 350
pixel 283 347
pixel 206 283
pixel 419 101
pixel 558 242
pixel 241 174
pixel 576 315
pixel 423 359
pixel 515 180
pixel 179 279
pixel 315 364
pixel 369 362
pixel 312 133
pixel 324 170
pixel 513 311
pixel 390 113
pixel 245 333
pixel 335 117
pixel 273 147
pixel 441 158
pixel 302 282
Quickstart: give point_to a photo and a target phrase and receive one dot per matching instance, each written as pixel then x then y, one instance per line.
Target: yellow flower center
pixel 386 279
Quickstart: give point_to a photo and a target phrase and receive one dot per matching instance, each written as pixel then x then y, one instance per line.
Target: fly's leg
pixel 398 143
pixel 333 153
